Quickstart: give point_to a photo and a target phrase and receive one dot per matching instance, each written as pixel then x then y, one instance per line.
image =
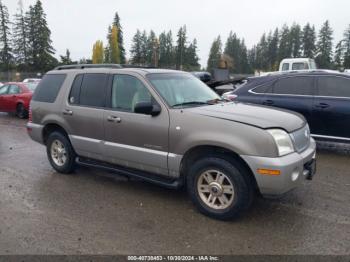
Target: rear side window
pixel 334 86
pixel 266 88
pixel 294 86
pixel 285 67
pixel 48 88
pixel 300 66
pixel 74 97
pixel 93 90
pixel 3 90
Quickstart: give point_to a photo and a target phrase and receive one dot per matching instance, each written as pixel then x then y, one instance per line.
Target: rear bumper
pixel 35 132
pixel 294 168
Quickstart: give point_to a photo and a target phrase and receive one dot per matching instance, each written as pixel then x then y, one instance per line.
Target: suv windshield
pixel 179 89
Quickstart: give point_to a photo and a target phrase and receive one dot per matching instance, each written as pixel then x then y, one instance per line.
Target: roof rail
pixel 83 66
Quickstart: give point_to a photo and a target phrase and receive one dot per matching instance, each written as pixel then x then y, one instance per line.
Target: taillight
pixel 229 96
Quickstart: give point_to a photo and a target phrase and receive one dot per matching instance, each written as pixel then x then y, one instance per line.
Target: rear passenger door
pixel 332 106
pixel 83 114
pixel 293 93
pixel 3 93
pixel 135 140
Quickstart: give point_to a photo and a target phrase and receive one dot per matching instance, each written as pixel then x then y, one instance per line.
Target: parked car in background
pixel 293 64
pixel 347 71
pixel 30 80
pixel 203 76
pixel 169 128
pixel 15 98
pixel 322 97
pixel 1 84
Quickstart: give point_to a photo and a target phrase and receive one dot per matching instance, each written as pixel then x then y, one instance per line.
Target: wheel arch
pixel 52 127
pixel 201 151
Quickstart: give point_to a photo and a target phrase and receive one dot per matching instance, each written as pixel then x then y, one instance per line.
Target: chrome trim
pixel 331 137
pixel 85 138
pixel 136 148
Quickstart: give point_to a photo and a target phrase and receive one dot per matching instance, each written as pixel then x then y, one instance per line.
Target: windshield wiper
pixel 191 103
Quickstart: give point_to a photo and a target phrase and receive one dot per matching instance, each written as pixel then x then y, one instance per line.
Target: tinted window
pixel 285 67
pixel 48 88
pixel 334 86
pixel 75 91
pixel 93 90
pixel 3 90
pixel 14 90
pixel 266 88
pixel 127 91
pixel 294 86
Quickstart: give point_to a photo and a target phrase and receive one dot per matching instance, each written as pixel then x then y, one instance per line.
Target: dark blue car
pixel 322 97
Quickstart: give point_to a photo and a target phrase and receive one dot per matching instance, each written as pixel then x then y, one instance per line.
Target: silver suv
pixel 169 128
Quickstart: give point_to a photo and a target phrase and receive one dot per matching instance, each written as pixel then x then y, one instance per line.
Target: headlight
pixel 283 141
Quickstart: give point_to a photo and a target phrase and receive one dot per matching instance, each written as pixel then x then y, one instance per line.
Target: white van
pixel 291 64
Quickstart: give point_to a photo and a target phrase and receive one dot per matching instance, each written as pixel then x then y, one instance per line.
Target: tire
pixel 237 188
pixel 60 153
pixel 21 112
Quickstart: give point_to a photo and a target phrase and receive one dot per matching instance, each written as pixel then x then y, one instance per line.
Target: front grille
pixel 301 138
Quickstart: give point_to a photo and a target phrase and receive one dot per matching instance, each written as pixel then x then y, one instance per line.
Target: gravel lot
pixel 42 212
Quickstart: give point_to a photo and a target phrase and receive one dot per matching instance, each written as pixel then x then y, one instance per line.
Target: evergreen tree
pixel 346 42
pixel 20 45
pixel 181 47
pixel 144 48
pixel 339 55
pixel 309 41
pixel 40 48
pixel 285 46
pixel 98 53
pixel 108 51
pixel 324 46
pixel 262 61
pixel 151 48
pixel 252 58
pixel 295 40
pixel 66 59
pixel 214 54
pixel 5 48
pixel 117 23
pixel 191 60
pixel 114 46
pixel 136 49
pixel 273 40
pixel 166 50
pixel 232 49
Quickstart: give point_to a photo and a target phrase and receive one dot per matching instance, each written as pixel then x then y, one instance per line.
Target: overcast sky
pixel 77 24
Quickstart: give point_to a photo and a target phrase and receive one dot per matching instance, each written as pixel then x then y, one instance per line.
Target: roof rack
pixel 83 66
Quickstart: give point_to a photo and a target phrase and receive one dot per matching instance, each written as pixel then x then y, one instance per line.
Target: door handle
pixel 68 112
pixel 114 119
pixel 268 102
pixel 322 105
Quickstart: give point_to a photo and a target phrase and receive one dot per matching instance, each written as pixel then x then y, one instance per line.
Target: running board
pixel 148 177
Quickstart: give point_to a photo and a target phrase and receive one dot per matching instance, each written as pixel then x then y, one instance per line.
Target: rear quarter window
pixel 48 88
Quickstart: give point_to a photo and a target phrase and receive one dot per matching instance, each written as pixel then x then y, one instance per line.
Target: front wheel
pixel 60 153
pixel 220 188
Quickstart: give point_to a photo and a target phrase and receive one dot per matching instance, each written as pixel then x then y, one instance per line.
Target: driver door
pixel 135 140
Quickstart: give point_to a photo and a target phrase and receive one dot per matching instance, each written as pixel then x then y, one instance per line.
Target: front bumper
pixel 303 164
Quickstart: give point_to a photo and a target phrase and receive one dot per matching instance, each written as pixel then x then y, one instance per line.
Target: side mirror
pixel 147 108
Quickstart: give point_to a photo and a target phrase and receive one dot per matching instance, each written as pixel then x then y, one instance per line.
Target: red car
pixel 15 98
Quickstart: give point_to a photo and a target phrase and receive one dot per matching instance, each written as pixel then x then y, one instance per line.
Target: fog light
pixel 295 175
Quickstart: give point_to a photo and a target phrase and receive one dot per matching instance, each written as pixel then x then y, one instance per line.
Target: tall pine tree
pixel 136 49
pixel 214 54
pixel 20 45
pixel 346 42
pixel 181 47
pixel 309 41
pixel 5 47
pixel 324 46
pixel 295 40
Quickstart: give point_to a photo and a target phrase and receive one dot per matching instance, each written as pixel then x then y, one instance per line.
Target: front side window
pixel 127 91
pixel 180 89
pixel 93 90
pixel 294 86
pixel 3 90
pixel 285 67
pixel 334 86
pixel 14 90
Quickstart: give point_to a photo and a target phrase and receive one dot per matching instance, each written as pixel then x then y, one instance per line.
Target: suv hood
pixel 255 115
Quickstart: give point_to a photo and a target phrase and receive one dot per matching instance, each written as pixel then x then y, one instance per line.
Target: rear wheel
pixel 220 188
pixel 21 112
pixel 60 153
